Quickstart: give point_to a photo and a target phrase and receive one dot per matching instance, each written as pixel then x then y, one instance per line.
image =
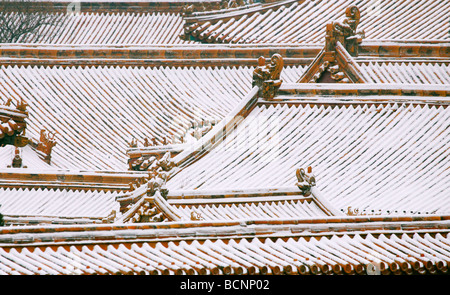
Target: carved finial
pixel 133 185
pixel 351 212
pixel 353 16
pixel 159 173
pixel 151 163
pixel 195 130
pixel 157 183
pixel 7 128
pixel 17 159
pixel 166 163
pixel 306 180
pixel 267 77
pixel 354 212
pixel 345 31
pixel 110 218
pixel 260 73
pixel 188 9
pixel 8 102
pixel 146 164
pixel 46 143
pixel 22 105
pixel 133 143
pixel 275 67
pixel 148 212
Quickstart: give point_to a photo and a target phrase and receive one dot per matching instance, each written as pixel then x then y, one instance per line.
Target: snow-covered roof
pixel 107 22
pixel 30 158
pixel 28 206
pixel 96 111
pixel 255 208
pixel 35 196
pixel 294 21
pixel 111 28
pixel 235 199
pixel 382 152
pixel 363 246
pixel 406 71
pixel 222 205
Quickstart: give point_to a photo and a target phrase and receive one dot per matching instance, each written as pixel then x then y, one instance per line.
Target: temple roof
pixel 142 206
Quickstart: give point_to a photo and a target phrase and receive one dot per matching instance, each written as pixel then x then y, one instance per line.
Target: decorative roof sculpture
pixel 305 180
pixel 45 144
pixel 345 31
pixel 13 124
pixel 267 77
pixel 335 63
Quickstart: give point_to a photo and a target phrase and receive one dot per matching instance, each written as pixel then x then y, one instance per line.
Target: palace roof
pixel 312 246
pixel 228 137
pixel 294 21
pixel 98 110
